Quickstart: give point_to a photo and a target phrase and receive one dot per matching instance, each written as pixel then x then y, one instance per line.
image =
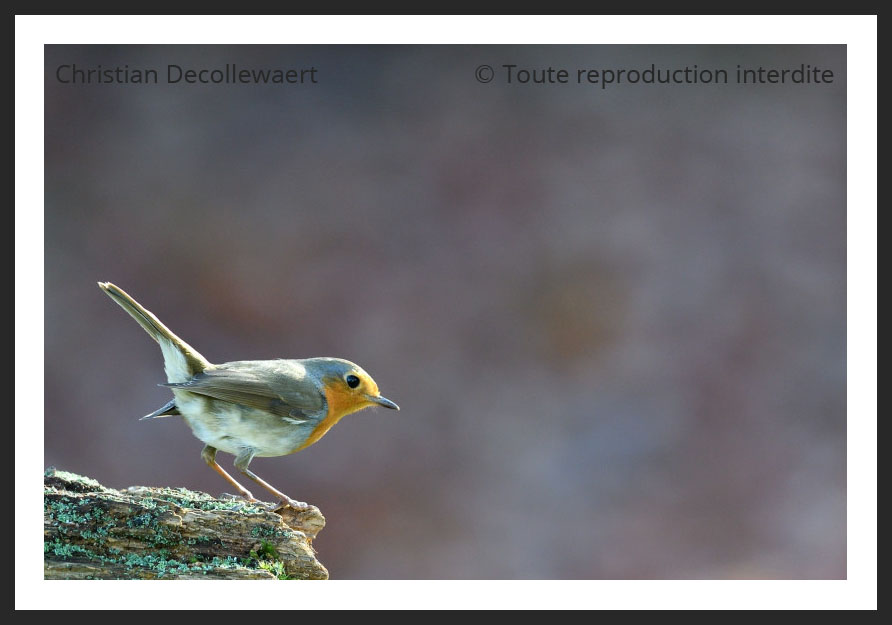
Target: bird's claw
pixel 245 497
pixel 292 503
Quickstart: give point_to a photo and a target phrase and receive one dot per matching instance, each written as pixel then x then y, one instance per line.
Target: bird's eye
pixel 352 381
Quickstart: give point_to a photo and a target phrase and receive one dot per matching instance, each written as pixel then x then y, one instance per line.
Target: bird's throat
pixel 339 404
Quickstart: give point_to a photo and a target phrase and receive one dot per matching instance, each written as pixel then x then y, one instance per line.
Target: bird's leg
pixel 241 463
pixel 209 455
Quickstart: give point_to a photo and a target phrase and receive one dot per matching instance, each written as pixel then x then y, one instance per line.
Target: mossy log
pixel 94 532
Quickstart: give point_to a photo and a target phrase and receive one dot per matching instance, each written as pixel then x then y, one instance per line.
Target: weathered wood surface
pixel 94 532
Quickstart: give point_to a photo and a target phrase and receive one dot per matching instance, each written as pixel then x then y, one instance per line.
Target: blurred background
pixel 614 319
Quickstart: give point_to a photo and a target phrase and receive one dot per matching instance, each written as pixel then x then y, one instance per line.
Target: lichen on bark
pixel 94 532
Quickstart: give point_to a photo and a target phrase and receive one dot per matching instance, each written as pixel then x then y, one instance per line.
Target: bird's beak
pixel 383 401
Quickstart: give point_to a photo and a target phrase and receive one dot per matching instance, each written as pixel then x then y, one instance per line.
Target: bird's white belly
pixel 233 428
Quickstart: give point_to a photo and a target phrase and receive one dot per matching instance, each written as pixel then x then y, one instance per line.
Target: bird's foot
pixel 292 503
pixel 247 496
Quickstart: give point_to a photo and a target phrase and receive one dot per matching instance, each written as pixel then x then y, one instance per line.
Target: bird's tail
pixel 181 361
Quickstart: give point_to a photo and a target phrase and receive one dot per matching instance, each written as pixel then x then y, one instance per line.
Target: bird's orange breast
pixel 339 404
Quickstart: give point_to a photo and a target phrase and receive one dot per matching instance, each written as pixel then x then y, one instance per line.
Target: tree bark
pixel 94 532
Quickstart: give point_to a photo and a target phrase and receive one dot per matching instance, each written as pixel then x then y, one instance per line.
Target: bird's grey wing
pixel 274 390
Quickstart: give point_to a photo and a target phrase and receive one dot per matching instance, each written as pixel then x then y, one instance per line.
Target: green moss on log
pixel 95 532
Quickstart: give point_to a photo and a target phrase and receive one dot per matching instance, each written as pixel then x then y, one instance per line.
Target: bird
pixel 253 408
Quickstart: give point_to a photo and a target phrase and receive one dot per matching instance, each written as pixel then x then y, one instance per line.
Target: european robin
pixel 252 408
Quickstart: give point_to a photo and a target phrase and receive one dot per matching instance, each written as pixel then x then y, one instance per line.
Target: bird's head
pixel 347 387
